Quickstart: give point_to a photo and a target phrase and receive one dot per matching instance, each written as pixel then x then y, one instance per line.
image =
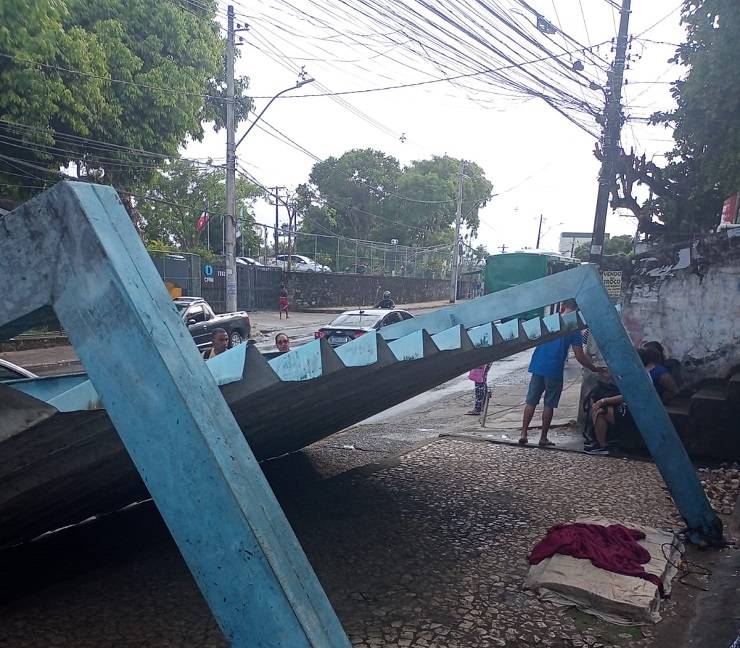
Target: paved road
pixel 299 327
pixel 418 541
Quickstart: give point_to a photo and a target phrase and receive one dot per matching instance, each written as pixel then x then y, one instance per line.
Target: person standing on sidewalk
pixel 479 376
pixel 283 303
pixel 546 367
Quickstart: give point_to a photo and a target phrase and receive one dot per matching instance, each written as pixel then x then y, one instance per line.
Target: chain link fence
pixel 373 257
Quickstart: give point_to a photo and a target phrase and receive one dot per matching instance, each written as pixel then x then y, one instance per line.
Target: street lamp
pixel 299 84
pixel 230 229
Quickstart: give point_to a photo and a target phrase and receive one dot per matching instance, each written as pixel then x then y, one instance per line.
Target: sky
pixel 538 162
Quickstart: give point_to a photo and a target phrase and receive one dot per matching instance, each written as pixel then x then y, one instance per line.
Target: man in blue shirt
pixel 546 367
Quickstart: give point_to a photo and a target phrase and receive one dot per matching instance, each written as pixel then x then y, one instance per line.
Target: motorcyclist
pixel 386 303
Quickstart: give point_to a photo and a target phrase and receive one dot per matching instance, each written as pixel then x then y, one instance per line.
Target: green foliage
pixel 623 244
pixel 348 195
pixel 704 165
pixel 159 246
pixel 59 87
pixel 364 194
pixel 427 199
pixel 176 197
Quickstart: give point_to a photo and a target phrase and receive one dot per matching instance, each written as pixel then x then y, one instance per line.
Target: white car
pixel 9 371
pixel 300 263
pixel 352 324
pixel 249 261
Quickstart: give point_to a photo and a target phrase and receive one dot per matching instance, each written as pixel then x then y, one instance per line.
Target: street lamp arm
pixel 300 84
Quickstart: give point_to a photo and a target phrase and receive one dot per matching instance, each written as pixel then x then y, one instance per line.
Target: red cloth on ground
pixel 613 548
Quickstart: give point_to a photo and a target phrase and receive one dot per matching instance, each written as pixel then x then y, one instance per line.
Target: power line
pixel 100 145
pixel 89 75
pixel 414 84
pixel 658 22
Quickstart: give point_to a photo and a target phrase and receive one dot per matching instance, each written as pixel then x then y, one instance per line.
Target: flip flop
pixel 546 444
pixel 522 442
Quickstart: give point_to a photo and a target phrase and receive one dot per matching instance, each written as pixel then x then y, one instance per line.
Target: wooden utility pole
pixel 229 234
pixel 539 234
pixel 610 139
pixel 456 248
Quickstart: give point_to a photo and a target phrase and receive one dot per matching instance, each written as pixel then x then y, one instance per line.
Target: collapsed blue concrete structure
pixel 150 416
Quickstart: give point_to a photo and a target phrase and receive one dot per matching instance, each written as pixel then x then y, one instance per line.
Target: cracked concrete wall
pixel 689 300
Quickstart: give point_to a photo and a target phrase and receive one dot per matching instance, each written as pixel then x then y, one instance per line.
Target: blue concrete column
pixel 74 248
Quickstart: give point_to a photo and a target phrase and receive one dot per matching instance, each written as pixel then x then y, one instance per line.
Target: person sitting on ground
pixel 610 411
pixel 657 346
pixel 219 344
pixel 282 342
pixel 386 303
pixel 673 365
pixel 546 367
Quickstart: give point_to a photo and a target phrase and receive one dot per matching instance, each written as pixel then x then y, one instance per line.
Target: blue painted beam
pixel 584 284
pixel 168 411
pixel 647 410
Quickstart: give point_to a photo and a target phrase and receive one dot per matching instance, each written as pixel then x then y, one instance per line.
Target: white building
pixel 569 241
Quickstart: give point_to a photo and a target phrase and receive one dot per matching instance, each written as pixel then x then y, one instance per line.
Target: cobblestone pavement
pixel 418 541
pixel 428 552
pixel 432 551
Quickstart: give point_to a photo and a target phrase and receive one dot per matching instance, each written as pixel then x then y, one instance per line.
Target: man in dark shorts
pixel 546 367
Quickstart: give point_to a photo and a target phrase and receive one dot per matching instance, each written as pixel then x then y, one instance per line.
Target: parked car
pixel 352 324
pixel 300 263
pixel 10 371
pixel 248 261
pixel 201 322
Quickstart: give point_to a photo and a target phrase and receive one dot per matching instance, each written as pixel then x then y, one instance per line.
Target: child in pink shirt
pixel 479 376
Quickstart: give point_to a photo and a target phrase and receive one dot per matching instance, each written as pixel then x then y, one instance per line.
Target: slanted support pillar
pixel 167 410
pixel 648 411
pixel 584 284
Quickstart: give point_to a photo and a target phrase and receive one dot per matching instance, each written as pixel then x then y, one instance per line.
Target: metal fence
pixel 373 257
pixel 258 287
pixel 180 271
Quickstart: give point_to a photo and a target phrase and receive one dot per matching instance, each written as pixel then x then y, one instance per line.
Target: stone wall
pixel 688 298
pixel 310 289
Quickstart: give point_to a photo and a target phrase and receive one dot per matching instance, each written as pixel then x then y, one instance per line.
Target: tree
pixel 704 165
pixel 623 244
pixel 426 200
pixel 348 195
pixel 364 194
pixel 177 196
pixel 100 84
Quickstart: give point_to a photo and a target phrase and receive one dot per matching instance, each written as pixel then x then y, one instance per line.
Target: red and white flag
pixel 200 225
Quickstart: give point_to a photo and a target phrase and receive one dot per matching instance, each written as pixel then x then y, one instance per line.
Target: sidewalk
pixel 45 360
pixel 412 308
pixel 504 420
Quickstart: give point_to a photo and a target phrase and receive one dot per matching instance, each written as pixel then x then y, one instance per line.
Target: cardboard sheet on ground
pixel 624 600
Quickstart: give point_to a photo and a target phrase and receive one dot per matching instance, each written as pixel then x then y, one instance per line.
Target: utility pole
pixel 539 233
pixel 277 231
pixel 612 127
pixel 456 247
pixel 503 248
pixel 230 224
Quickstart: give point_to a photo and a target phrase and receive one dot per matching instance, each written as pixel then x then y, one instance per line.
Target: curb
pixel 50 365
pixel 33 342
pixel 338 310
